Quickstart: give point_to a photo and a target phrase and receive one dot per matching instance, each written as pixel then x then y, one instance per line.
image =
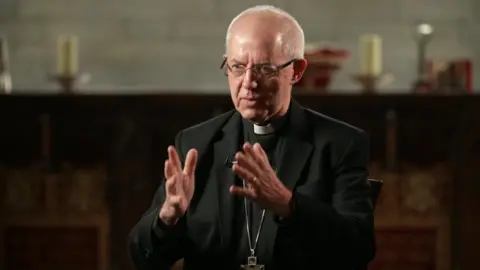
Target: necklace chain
pixel 247 223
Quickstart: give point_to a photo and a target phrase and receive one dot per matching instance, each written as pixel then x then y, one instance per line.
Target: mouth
pixel 253 102
pixel 252 98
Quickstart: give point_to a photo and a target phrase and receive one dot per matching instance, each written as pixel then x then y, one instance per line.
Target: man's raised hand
pixel 179 186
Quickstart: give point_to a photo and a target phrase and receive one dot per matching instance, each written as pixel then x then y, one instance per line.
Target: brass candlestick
pixel 370 82
pixel 68 83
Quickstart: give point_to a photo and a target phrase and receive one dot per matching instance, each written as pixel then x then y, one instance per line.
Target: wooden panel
pixel 95 225
pixel 416 199
pixel 53 220
pixel 50 248
pixel 405 249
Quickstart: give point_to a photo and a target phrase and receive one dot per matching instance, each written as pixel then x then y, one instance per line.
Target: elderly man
pixel 269 185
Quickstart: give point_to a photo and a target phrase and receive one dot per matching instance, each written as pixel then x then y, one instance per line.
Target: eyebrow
pixel 237 62
pixel 241 62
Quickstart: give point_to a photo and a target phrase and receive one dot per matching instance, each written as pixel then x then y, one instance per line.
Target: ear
pixel 299 67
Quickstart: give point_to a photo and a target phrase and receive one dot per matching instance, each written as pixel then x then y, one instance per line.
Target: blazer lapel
pixel 297 147
pixel 296 150
pixel 225 147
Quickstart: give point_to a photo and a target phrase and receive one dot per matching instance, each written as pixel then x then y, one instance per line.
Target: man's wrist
pixel 286 210
pixel 161 229
pixel 165 226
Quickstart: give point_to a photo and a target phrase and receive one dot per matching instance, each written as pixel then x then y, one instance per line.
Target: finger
pixel 261 156
pixel 245 174
pixel 248 163
pixel 169 171
pixel 190 163
pixel 175 178
pixel 174 159
pixel 170 186
pixel 256 153
pixel 244 192
pixel 175 201
pixel 187 185
pixel 248 150
pixel 259 152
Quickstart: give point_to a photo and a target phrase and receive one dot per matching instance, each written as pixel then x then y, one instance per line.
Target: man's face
pixel 258 91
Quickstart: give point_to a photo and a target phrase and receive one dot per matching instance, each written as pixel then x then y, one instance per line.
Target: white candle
pixel 5 78
pixel 3 54
pixel 371 54
pixel 67 55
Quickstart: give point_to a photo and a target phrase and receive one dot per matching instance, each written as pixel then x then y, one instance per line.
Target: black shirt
pixel 271 143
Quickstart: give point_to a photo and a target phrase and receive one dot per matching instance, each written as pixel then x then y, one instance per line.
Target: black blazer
pixel 324 162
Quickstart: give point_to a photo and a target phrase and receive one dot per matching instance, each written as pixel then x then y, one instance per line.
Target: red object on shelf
pixel 323 63
pixel 455 71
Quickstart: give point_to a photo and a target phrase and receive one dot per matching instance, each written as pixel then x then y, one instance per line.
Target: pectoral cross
pixel 252 264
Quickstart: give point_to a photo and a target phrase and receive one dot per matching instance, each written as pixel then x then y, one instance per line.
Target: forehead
pixel 254 48
pixel 255 43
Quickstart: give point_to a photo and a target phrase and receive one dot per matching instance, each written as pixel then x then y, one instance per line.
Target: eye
pixel 267 69
pixel 238 67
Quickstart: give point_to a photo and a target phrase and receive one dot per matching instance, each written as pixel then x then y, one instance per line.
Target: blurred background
pixel 93 91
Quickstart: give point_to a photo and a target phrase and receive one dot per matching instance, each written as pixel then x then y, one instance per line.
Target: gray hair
pixel 293 44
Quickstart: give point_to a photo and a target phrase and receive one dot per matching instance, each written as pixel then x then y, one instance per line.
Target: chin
pixel 255 115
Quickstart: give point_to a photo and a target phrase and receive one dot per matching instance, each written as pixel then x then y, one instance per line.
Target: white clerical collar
pixel 263 130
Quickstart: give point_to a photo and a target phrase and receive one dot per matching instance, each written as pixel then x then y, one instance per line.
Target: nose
pixel 249 80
